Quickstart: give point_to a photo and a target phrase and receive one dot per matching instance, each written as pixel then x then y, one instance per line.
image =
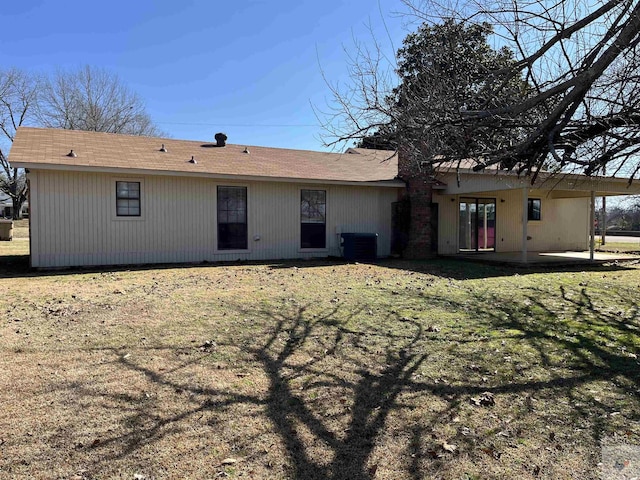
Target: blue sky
pixel 249 68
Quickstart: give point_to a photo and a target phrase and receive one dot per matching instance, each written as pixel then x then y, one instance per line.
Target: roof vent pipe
pixel 193 160
pixel 163 149
pixel 221 138
pixel 71 154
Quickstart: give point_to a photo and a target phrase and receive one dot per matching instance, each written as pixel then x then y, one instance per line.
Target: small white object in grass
pixel 449 447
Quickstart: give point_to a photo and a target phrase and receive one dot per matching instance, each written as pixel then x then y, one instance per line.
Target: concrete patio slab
pixel 547 258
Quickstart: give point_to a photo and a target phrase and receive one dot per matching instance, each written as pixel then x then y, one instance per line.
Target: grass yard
pixel 21 228
pixel 317 370
pixel 619 247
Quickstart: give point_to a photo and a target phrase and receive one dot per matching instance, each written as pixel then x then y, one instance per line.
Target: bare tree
pixel 86 99
pixel 18 97
pixel 580 110
pixel 93 99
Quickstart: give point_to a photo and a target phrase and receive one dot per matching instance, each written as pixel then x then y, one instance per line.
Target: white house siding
pixel 448 215
pixel 564 223
pixel 73 219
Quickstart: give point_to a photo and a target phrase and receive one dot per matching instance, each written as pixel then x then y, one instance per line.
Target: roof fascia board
pixel 571 182
pixel 543 175
pixel 171 173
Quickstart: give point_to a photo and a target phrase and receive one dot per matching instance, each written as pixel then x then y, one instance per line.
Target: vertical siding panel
pixel 67 243
pixel 85 200
pixel 73 197
pixel 48 224
pixel 447 223
pixel 46 203
pixel 193 219
pixel 103 204
pixel 96 215
pixel 176 245
pixel 58 220
pixel 35 219
pixel 174 219
pixel 154 209
pixel 188 233
pixel 157 217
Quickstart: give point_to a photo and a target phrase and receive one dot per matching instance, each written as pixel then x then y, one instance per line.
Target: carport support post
pixel 525 220
pixel 592 226
pixel 603 223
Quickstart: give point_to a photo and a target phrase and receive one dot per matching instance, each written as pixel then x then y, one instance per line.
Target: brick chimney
pixel 419 194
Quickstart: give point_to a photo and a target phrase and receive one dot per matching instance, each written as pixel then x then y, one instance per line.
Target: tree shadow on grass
pixel 577 339
pixel 294 347
pixel 373 396
pixel 335 380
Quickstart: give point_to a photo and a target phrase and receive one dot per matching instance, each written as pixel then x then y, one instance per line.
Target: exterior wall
pixel 447 223
pixel 564 223
pixel 73 220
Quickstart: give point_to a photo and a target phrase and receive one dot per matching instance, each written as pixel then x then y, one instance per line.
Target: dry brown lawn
pixel 21 228
pixel 316 370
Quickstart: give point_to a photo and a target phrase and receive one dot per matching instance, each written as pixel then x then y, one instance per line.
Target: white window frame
pixel 114 200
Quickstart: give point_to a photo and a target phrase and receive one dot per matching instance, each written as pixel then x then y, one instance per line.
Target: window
pixel 313 209
pixel 128 199
pixel 534 208
pixel 232 218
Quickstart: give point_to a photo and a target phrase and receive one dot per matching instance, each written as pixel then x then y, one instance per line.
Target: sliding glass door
pixel 477 225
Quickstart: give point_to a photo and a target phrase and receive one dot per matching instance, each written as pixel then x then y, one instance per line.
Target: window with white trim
pixel 128 199
pixel 313 212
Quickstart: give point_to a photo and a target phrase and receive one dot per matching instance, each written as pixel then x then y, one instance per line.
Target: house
pixel 6 208
pixel 105 199
pixel 102 199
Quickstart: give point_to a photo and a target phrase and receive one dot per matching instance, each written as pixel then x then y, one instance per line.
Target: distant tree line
pixel 625 216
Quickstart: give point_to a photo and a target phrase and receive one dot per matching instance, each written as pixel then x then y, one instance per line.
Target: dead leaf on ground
pixel 449 447
pixel 492 453
pixel 433 454
pixel 485 399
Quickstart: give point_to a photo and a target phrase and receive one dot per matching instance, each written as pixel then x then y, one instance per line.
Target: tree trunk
pixel 17 207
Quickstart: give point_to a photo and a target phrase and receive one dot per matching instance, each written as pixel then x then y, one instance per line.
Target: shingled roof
pixel 48 148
